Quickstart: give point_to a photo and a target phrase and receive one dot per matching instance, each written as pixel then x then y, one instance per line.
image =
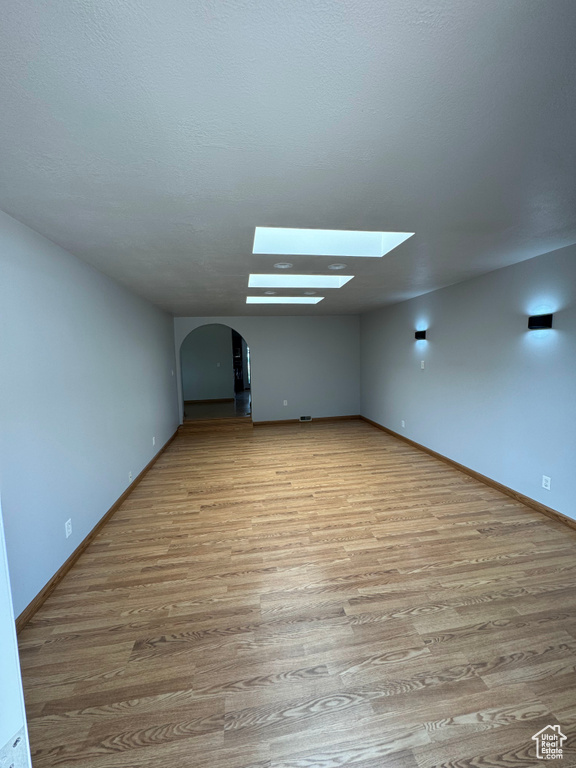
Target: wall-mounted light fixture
pixel 420 335
pixel 539 322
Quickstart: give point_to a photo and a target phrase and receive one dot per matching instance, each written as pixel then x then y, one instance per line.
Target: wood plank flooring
pixel 307 596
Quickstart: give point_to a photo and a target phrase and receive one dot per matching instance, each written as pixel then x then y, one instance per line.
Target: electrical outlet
pixel 68 528
pixel 422 364
pixel 130 476
pixel 172 372
pixel 153 441
pixel 15 753
pixel 403 423
pixel 285 402
pixel 546 482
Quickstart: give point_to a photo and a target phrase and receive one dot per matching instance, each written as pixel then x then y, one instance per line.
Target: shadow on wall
pixel 215 369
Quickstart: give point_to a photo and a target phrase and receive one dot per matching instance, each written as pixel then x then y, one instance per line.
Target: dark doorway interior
pixel 238 362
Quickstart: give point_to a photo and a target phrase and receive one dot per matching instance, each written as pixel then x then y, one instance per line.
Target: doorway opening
pixel 216 374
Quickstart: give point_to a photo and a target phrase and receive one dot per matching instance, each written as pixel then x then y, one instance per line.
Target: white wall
pixel 12 714
pixel 313 362
pixel 493 396
pixel 87 377
pixel 206 364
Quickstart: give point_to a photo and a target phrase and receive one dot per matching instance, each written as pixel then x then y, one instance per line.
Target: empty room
pixel 287 384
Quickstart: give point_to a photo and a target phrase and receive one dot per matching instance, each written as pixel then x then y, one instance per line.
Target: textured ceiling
pixel 150 137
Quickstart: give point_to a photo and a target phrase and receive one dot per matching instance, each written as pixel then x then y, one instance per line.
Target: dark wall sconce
pixel 538 322
pixel 420 335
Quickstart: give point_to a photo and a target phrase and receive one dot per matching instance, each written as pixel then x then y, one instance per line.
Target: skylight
pixel 283 299
pixel 325 242
pixel 298 281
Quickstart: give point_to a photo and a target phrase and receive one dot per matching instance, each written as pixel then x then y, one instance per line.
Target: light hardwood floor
pixel 307 596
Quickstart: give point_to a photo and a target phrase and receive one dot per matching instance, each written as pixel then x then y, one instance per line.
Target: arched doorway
pixel 215 374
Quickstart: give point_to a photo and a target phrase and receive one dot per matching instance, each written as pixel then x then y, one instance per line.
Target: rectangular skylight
pixel 279 241
pixel 283 299
pixel 298 281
